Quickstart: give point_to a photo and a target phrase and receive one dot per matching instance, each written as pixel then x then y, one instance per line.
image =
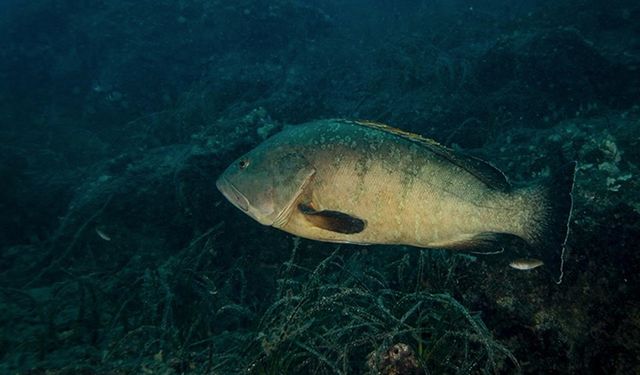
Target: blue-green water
pixel 118 255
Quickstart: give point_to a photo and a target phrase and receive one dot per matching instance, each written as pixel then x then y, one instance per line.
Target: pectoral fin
pixel 333 221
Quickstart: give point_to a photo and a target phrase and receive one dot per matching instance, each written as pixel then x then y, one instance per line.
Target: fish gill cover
pixel 119 256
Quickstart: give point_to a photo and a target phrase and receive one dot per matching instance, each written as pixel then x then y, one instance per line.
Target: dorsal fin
pixel 482 170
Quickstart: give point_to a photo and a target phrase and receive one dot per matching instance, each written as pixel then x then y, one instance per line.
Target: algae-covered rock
pixel 560 72
pixel 119 256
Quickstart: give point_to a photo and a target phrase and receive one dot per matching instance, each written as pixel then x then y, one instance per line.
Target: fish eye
pixel 242 164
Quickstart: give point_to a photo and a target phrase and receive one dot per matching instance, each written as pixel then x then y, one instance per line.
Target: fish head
pixel 266 182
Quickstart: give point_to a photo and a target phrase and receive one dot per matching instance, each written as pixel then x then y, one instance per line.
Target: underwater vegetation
pixel 341 313
pixel 119 256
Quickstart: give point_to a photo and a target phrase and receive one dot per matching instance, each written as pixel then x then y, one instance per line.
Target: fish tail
pixel 549 230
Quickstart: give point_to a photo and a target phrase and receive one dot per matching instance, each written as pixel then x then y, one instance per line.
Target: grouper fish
pixel 361 182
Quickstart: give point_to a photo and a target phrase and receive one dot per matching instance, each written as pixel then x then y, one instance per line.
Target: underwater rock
pixel 551 74
pixel 602 266
pixel 397 360
pixel 119 256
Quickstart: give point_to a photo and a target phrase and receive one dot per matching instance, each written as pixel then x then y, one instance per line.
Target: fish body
pixel 525 264
pixel 367 183
pixel 102 234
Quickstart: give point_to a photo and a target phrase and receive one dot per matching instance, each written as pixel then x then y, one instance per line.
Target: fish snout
pixel 232 194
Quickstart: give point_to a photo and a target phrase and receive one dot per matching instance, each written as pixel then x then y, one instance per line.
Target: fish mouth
pixel 232 194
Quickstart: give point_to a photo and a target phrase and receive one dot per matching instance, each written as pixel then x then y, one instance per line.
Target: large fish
pixel 367 183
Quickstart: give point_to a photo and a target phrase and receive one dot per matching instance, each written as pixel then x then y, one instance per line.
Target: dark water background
pixel 118 255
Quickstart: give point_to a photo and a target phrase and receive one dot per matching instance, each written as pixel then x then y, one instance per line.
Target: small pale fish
pixel 365 183
pixel 525 264
pixel 102 234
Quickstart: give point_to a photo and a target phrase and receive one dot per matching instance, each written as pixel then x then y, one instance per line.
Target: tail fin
pixel 555 201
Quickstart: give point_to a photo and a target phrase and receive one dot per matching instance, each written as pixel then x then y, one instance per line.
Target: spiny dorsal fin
pixel 485 172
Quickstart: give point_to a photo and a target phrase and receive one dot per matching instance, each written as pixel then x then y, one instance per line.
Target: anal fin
pixel 487 243
pixel 515 251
